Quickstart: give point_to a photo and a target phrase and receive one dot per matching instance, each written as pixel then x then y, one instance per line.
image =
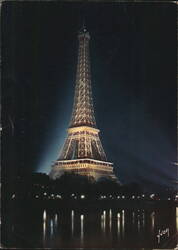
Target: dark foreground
pixel 65 224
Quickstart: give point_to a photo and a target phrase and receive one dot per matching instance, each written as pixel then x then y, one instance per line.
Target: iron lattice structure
pixel 82 152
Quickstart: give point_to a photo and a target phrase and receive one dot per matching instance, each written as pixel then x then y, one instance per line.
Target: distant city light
pixel 103 197
pixel 152 196
pixel 13 196
pixel 58 196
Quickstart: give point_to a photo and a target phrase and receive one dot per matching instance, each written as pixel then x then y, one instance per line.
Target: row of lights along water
pixel 101 197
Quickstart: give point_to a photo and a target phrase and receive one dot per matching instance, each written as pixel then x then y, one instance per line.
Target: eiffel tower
pixel 82 152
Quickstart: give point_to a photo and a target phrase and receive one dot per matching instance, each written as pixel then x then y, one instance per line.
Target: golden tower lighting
pixel 82 152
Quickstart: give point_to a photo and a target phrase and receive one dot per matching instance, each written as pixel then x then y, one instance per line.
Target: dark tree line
pixel 40 185
pixel 68 184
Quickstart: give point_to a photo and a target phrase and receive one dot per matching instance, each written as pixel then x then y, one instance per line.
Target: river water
pixel 91 228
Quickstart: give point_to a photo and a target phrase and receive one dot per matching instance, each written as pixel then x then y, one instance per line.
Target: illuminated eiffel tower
pixel 82 152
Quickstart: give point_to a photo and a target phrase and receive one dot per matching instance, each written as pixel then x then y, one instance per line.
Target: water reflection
pixel 118 224
pixel 143 217
pixel 123 223
pixel 44 215
pixel 72 219
pixel 152 221
pixel 138 223
pixel 44 226
pixel 177 217
pixel 51 228
pixel 56 220
pixel 44 231
pixel 133 218
pixel 103 221
pixel 101 228
pixel 81 226
pixel 110 219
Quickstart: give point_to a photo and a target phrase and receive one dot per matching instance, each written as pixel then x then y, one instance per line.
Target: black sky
pixel 133 61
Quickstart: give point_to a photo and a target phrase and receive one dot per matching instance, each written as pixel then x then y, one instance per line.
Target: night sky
pixel 133 64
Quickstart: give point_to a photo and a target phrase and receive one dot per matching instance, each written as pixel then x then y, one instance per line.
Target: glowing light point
pixel 44 215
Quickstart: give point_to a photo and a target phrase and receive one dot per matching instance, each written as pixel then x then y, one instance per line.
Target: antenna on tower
pixel 84 25
pixel 83 28
pixel 82 17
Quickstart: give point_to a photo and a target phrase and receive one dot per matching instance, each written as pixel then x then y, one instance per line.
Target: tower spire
pixel 84 25
pixel 83 111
